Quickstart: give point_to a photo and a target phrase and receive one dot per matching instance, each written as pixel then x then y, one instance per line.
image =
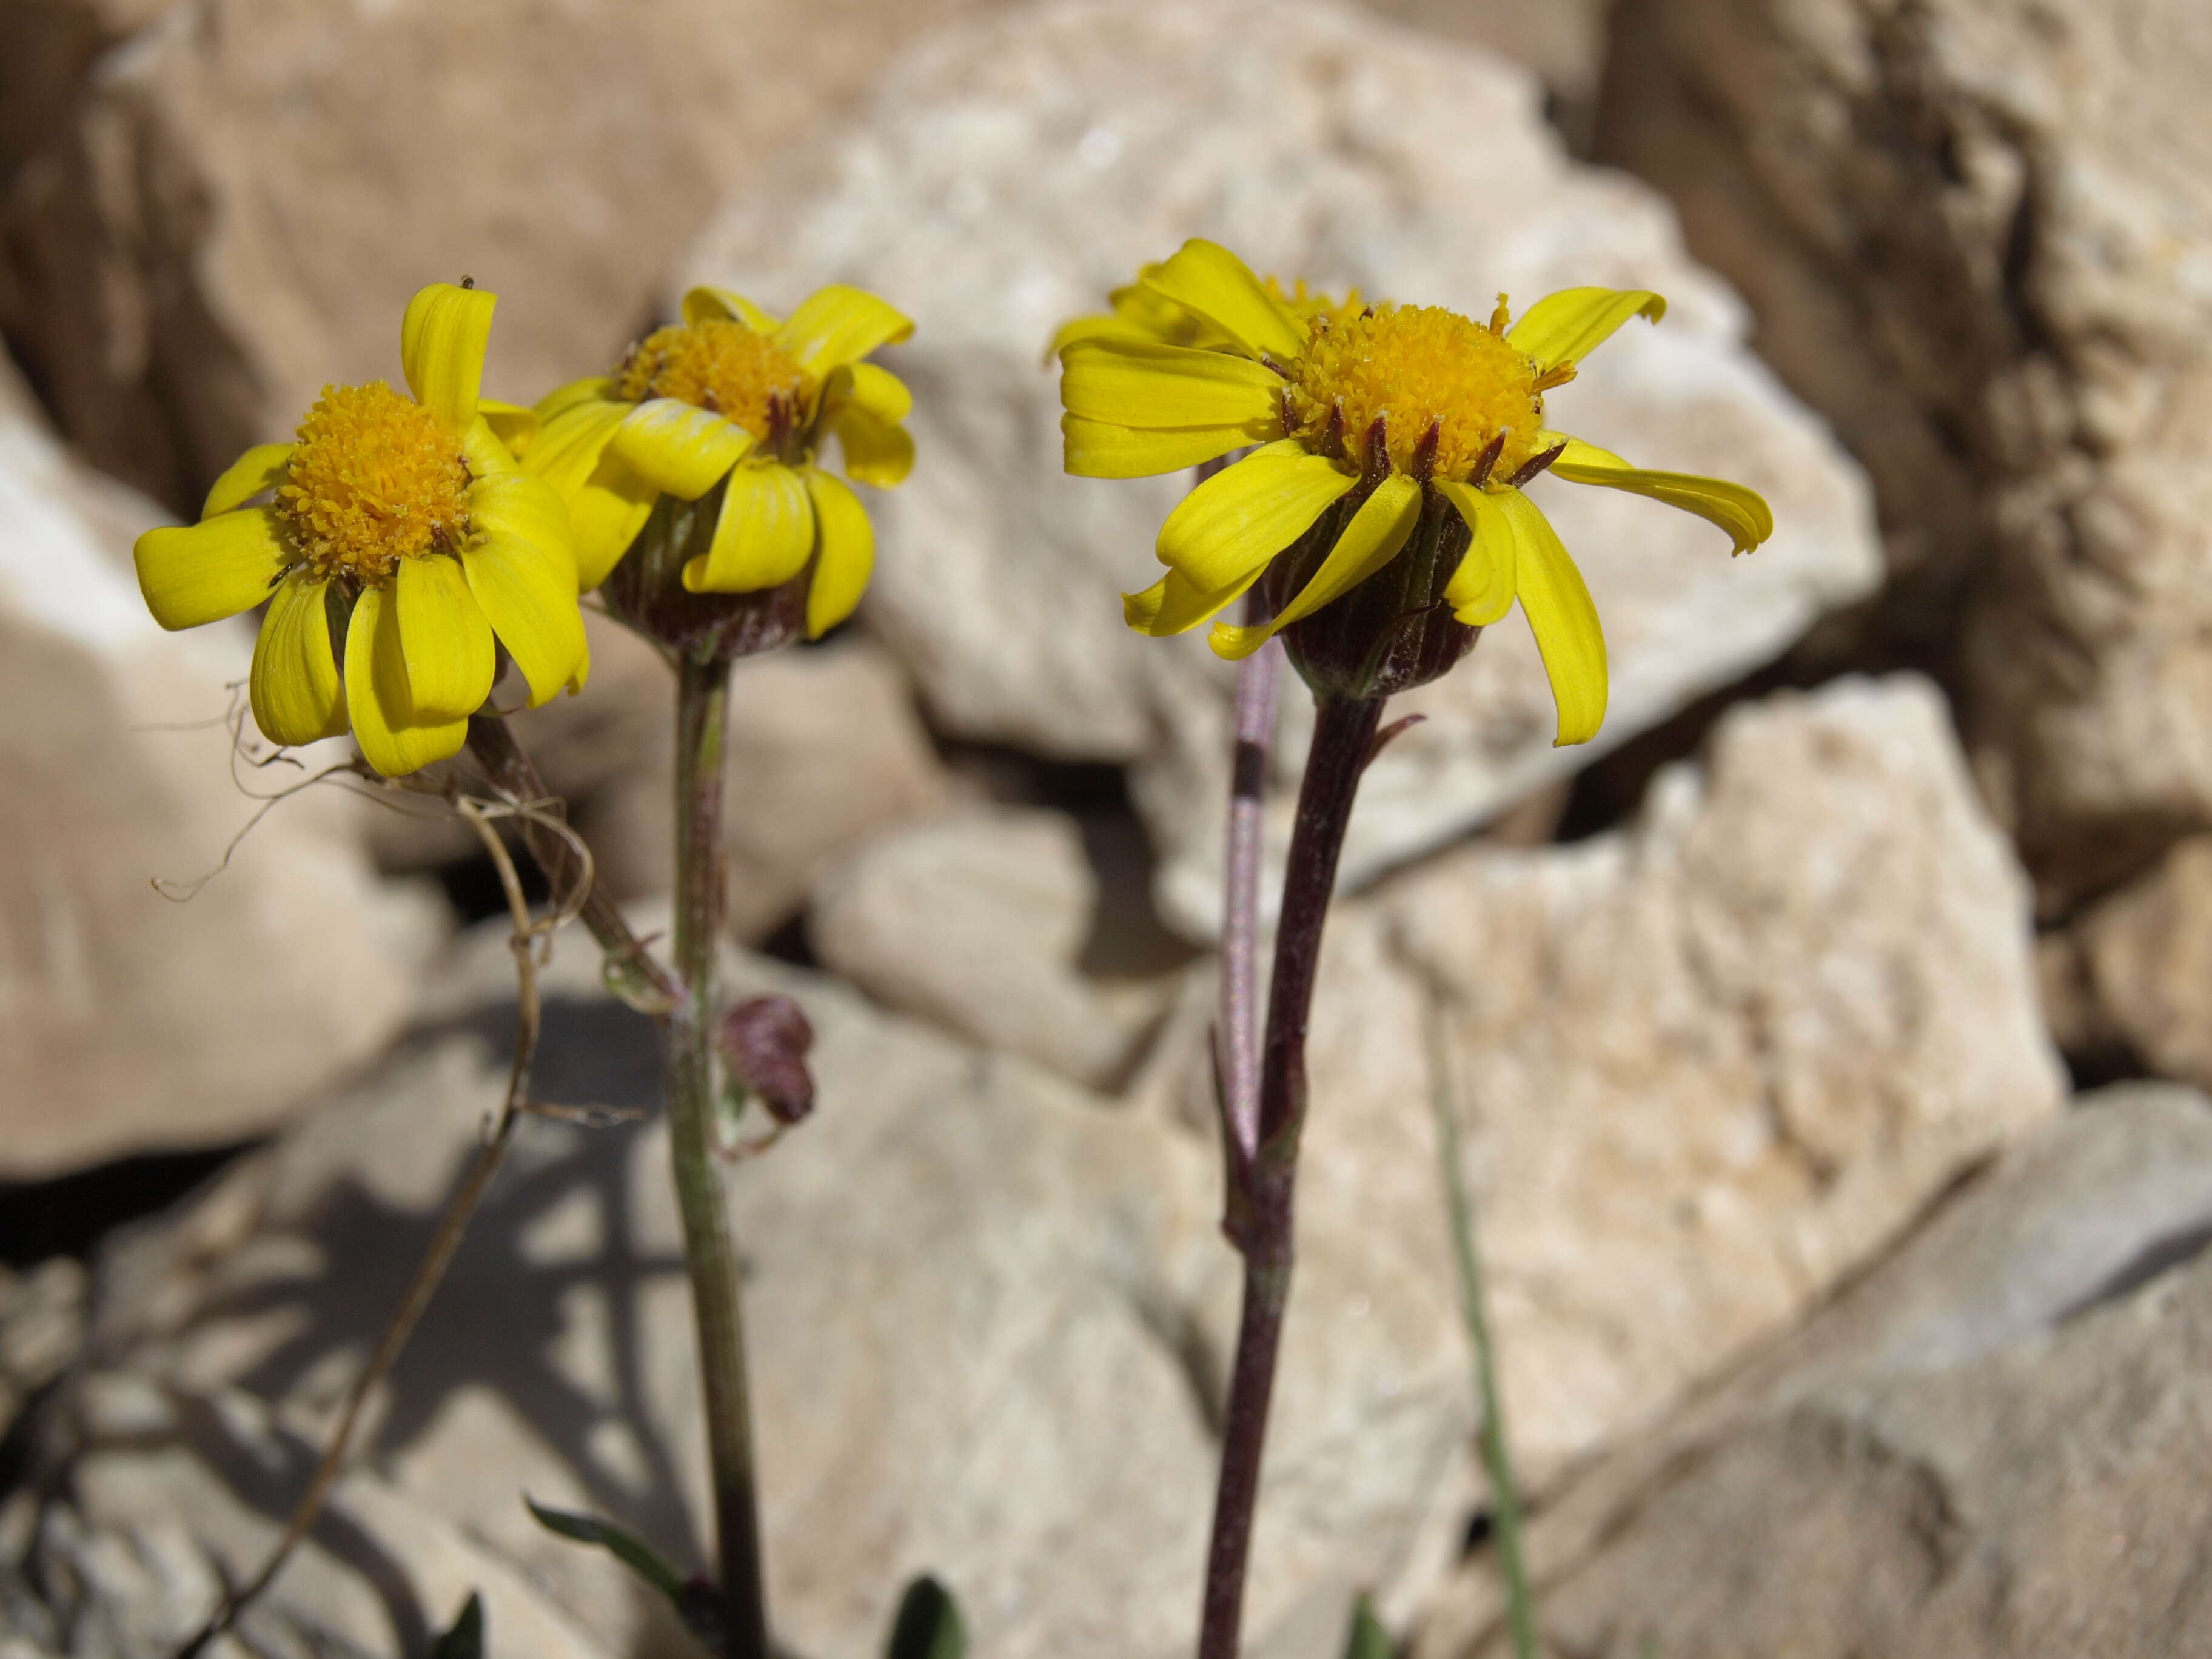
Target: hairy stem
pixel 1344 732
pixel 1258 682
pixel 709 1249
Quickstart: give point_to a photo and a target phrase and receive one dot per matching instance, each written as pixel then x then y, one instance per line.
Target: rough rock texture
pixel 826 751
pixel 1002 928
pixel 1704 1064
pixel 986 1318
pixel 41 1330
pixel 1976 236
pixel 2142 960
pixel 1987 1447
pixel 209 208
pixel 128 1020
pixel 1005 178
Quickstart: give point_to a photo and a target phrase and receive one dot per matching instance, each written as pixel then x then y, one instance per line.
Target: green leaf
pixel 1367 1640
pixel 466 1640
pixel 928 1624
pixel 637 1556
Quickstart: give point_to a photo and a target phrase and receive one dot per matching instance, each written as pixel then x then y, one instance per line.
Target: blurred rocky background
pixel 1827 1038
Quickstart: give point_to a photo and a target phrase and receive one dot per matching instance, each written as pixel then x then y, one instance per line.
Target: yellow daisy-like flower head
pixel 729 408
pixel 1384 489
pixel 396 539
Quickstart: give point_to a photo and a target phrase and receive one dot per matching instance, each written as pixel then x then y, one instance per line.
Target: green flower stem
pixel 1497 1455
pixel 709 1250
pixel 1344 733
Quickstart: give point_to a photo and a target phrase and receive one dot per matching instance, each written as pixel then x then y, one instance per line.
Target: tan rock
pixel 1705 1065
pixel 41 1330
pixel 826 751
pixel 213 208
pixel 129 1020
pixel 162 1506
pixel 1928 1467
pixel 1005 177
pixel 987 1323
pixel 2148 963
pixel 1974 232
pixel 1000 926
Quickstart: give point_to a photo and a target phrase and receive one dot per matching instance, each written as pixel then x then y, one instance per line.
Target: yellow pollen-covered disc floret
pixel 1415 366
pixel 374 478
pixel 717 364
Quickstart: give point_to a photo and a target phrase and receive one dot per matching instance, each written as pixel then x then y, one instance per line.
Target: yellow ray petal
pixel 297 697
pixel 876 451
pixel 1243 516
pixel 763 537
pixel 845 553
pixel 1742 512
pixel 511 423
pixel 1567 326
pixel 1208 281
pixel 1173 605
pixel 393 738
pixel 1560 614
pixel 260 468
pixel 443 637
pixel 1375 536
pixel 678 447
pixel 593 388
pixel 526 507
pixel 441 348
pixel 528 594
pixel 1481 590
pixel 1105 327
pixel 702 304
pixel 484 451
pixel 200 573
pixel 1095 449
pixel 609 499
pixel 1135 383
pixel 839 325
pixel 870 389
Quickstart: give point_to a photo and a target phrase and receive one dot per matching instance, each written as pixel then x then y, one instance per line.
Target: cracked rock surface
pixel 1007 176
pixel 1978 237
pixel 1987 1447
pixel 1706 1062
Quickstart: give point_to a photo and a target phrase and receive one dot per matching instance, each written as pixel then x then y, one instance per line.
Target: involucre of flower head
pixel 704 443
pixel 395 540
pixel 1389 448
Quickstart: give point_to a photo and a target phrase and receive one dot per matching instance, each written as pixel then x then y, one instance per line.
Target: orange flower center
pixel 374 478
pixel 722 365
pixel 1415 368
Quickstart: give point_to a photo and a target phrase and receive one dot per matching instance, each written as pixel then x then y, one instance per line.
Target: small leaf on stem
pixel 466 1638
pixel 928 1624
pixel 1367 1639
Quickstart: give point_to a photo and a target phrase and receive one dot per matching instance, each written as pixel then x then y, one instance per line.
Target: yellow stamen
pixel 720 365
pixel 376 478
pixel 1501 317
pixel 1415 367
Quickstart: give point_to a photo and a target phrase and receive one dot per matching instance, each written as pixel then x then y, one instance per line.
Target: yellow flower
pixel 402 525
pixel 1385 409
pixel 730 395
